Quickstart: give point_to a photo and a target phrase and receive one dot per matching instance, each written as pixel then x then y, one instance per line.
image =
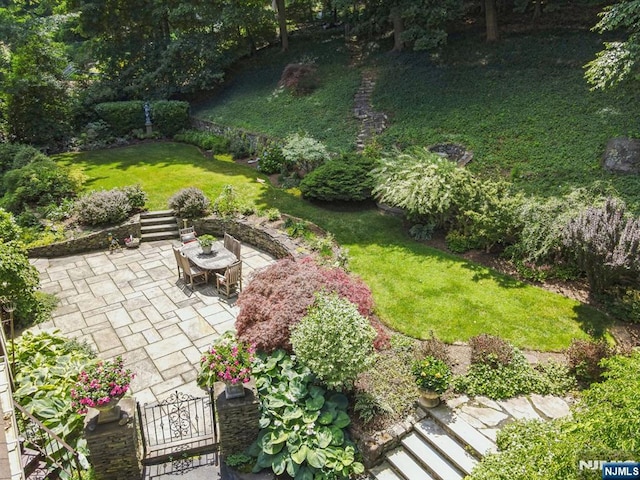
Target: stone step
pixel 430 458
pixel 406 466
pixel 160 227
pixel 465 433
pixel 157 213
pixel 446 445
pixel 384 471
pixel 158 220
pixel 151 237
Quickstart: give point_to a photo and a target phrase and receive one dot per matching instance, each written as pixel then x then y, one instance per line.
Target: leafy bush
pixel 623 303
pixel 345 179
pixel 240 146
pixel 19 282
pixel 302 425
pixel 25 155
pixel 433 347
pixel 334 341
pixel 278 297
pixel 387 389
pixel 604 244
pixel 205 140
pixel 95 135
pixel 8 153
pixel 47 366
pixel 541 223
pixel 41 182
pixel 422 232
pixel 490 350
pixel 228 203
pixel 190 203
pixel 599 429
pixel 497 380
pixel 458 242
pixel 272 160
pixel 303 154
pixel 169 117
pixel 103 207
pixel 584 358
pixel 136 196
pixel 9 229
pixel 273 214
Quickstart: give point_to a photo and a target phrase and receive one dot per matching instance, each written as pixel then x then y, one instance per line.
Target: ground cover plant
pixel 602 427
pixel 416 288
pixel 253 101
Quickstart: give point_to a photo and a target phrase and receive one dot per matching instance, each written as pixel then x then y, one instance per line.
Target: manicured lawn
pixel 417 289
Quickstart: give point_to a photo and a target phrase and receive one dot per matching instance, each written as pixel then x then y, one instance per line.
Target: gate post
pixel 238 418
pixel 113 447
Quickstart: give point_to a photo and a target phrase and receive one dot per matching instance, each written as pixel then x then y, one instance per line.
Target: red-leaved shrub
pixel 278 297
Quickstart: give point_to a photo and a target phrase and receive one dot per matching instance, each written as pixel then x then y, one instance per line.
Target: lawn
pixel 416 289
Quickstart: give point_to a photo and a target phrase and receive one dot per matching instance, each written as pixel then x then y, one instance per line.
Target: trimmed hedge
pixel 345 179
pixel 167 116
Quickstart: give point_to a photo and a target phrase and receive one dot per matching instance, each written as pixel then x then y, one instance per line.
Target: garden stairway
pixel 440 447
pixel 159 225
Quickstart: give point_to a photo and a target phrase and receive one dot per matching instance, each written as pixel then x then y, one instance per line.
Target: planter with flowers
pixel 101 386
pixel 433 377
pixel 228 360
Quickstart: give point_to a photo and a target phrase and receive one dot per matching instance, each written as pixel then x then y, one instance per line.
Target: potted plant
pixel 101 386
pixel 205 242
pixel 433 377
pixel 228 360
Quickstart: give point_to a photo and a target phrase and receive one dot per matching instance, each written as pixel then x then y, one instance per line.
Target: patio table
pixel 219 258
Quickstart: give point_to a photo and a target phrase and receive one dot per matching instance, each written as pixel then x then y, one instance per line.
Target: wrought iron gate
pixel 179 427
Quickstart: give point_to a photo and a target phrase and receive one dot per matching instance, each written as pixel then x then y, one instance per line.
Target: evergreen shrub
pixel 347 178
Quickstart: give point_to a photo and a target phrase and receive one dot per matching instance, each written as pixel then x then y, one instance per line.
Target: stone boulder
pixel 622 155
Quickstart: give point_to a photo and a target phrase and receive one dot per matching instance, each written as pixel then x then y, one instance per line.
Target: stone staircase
pixel 440 447
pixel 159 225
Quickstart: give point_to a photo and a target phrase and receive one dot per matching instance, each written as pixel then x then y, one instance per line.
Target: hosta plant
pixel 302 425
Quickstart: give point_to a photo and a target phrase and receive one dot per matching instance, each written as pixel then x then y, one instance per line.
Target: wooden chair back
pixel 178 255
pixel 235 248
pixel 228 242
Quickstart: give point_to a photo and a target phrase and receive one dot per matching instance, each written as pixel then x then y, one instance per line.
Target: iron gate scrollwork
pixel 181 426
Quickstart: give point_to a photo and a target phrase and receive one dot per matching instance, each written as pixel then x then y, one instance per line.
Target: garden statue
pixel 147 117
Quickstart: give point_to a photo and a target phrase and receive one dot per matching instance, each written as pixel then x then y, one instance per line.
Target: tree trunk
pixel 537 10
pixel 282 25
pixel 491 18
pixel 398 28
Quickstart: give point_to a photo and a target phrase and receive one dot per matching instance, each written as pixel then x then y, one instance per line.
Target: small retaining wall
pixel 94 241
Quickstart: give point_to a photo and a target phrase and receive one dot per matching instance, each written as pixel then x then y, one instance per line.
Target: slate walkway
pixel 132 303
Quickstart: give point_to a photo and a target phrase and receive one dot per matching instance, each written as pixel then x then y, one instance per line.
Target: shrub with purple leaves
pixel 604 243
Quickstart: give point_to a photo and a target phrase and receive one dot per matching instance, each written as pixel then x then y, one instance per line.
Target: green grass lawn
pixel 416 289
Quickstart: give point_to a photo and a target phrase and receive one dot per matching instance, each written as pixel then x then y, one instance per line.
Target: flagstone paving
pixel 132 303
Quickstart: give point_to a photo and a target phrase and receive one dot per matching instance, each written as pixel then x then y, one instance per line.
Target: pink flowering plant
pixel 100 383
pixel 227 360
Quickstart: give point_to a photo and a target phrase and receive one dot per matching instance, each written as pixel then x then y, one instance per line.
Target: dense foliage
pixel 216 144
pixel 302 154
pixel 334 340
pixel 584 358
pixel 106 207
pixel 190 203
pixel 278 298
pixel 47 366
pixel 303 426
pixel 601 429
pixel 605 244
pixel 347 178
pixel 499 370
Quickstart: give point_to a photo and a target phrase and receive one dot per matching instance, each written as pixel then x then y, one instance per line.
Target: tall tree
pixel 491 19
pixel 279 6
pixel 619 61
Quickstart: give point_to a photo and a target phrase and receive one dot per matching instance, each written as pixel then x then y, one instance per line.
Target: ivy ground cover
pixel 417 289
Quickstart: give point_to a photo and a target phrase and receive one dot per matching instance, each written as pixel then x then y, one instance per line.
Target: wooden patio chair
pixel 231 282
pixel 228 241
pixel 235 248
pixel 192 272
pixel 187 235
pixel 177 254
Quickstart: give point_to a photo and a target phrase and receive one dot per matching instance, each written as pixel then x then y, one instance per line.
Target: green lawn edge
pixel 417 289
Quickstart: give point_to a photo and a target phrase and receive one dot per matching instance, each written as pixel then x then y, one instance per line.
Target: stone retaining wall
pixel 94 241
pixel 238 419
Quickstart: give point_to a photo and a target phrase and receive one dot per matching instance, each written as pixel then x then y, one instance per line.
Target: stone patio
pixel 132 303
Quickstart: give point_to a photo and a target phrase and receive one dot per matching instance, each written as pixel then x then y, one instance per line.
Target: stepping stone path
pixel 373 123
pixel 450 439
